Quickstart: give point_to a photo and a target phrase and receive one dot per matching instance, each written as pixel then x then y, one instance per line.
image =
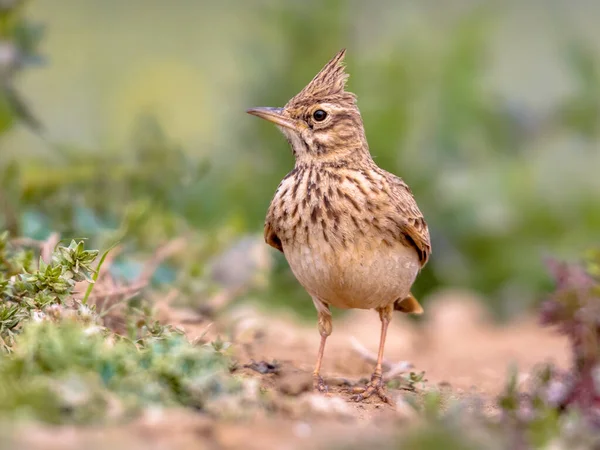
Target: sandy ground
pixel 458 347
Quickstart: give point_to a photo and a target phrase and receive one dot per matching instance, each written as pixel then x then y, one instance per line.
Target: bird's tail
pixel 408 305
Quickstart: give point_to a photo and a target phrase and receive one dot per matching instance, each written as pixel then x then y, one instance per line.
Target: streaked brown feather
pixel 411 221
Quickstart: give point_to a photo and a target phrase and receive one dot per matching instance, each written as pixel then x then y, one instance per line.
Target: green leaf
pixel 90 287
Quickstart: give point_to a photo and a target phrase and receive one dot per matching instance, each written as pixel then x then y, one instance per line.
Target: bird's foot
pixel 375 386
pixel 319 385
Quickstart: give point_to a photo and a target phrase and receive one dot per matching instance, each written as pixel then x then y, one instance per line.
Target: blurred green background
pixel 489 110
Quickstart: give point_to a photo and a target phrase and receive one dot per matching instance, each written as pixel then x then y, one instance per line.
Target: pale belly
pixel 358 276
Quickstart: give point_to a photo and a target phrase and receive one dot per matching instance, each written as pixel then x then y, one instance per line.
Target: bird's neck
pixel 346 156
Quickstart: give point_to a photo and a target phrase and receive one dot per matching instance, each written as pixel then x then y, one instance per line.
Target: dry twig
pixel 389 370
pixel 109 288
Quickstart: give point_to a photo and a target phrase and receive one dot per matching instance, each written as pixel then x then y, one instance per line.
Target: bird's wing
pixel 277 213
pixel 271 229
pixel 413 227
pixel 270 237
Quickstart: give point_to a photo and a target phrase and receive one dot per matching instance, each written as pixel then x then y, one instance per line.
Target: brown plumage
pixel 352 233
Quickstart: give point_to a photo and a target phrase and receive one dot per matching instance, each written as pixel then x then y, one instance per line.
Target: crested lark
pixel 351 232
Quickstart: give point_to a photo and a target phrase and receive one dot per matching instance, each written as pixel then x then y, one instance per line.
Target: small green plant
pixel 27 289
pixel 63 365
pixel 70 372
pixel 410 381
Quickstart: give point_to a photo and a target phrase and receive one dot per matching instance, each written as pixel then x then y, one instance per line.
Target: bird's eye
pixel 319 115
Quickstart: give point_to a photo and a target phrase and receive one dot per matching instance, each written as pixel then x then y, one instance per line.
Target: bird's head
pixel 322 122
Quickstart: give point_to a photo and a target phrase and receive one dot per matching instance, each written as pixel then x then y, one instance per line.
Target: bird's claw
pixel 319 385
pixel 375 386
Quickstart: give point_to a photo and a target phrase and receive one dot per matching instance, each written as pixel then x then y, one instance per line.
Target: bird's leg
pixel 325 330
pixel 376 383
pixel 318 382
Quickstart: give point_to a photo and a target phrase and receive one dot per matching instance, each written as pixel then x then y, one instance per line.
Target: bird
pixel 351 232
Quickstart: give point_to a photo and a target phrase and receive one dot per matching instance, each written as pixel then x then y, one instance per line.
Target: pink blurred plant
pixel 574 309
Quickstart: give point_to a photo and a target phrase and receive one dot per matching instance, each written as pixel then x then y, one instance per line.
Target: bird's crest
pixel 329 82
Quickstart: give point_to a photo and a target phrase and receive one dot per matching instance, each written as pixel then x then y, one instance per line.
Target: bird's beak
pixel 274 115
